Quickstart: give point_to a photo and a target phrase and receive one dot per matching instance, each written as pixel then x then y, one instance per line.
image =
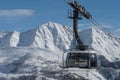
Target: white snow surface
pixel 9 39
pixel 49 35
pixel 38 52
pixel 103 42
pixel 42 63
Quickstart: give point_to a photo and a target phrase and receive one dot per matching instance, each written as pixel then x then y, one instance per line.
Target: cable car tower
pixel 81 56
pixel 78 10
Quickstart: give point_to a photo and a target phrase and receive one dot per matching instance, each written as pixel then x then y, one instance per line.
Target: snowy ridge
pixel 9 39
pixel 49 35
pixel 106 44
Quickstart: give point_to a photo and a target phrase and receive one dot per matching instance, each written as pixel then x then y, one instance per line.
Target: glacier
pixel 37 54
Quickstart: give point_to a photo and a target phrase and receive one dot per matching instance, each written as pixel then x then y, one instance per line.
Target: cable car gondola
pixel 81 56
pixel 74 58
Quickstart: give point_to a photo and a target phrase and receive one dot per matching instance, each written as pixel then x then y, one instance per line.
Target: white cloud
pixel 16 12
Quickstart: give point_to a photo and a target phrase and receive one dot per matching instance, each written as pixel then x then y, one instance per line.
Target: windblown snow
pixel 36 54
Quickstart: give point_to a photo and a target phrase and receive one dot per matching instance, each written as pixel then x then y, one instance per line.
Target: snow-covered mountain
pixel 49 35
pixel 103 42
pixel 35 54
pixel 9 39
pixel 56 36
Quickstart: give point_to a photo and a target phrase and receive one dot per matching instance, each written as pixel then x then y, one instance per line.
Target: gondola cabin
pixel 80 59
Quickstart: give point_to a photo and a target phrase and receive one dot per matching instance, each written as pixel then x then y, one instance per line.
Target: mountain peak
pixel 49 35
pixel 50 22
pixel 105 43
pixel 9 39
pixel 52 25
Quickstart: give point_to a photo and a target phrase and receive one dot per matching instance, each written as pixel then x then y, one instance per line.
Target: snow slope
pixel 9 39
pixel 105 43
pixel 36 54
pixel 37 64
pixel 29 62
pixel 49 35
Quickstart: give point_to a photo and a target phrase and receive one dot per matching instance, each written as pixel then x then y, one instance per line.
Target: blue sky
pixel 22 15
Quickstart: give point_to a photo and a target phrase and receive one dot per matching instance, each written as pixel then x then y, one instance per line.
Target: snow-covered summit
pixel 105 43
pixel 9 39
pixel 49 35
